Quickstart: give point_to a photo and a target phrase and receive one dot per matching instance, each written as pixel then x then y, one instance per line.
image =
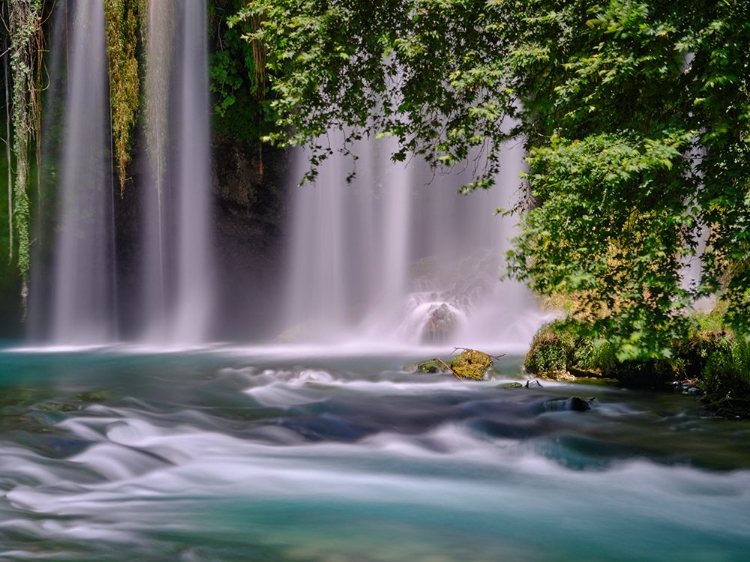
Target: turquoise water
pixel 308 455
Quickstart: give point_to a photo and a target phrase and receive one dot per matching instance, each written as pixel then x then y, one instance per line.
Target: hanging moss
pixel 25 23
pixel 122 38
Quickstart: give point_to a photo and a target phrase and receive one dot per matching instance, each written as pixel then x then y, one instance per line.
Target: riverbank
pixel 712 362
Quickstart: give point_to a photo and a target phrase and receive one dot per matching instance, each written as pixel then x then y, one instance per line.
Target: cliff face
pixel 250 208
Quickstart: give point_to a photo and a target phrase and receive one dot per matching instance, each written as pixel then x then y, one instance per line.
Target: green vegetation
pixel 24 27
pixel 122 40
pixel 635 115
pixel 712 358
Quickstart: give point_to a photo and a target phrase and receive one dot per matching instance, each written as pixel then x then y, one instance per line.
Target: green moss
pixel 92 396
pixel 471 364
pixel 430 366
pixel 510 385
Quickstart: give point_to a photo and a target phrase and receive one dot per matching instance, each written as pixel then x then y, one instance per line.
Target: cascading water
pixel 83 309
pixel 398 256
pixel 176 296
pixel 177 285
pixel 193 287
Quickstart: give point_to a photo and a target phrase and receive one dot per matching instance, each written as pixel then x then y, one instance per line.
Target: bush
pixel 553 349
pixel 726 379
pixel 711 353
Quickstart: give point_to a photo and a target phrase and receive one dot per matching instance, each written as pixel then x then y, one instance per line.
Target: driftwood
pixel 455 374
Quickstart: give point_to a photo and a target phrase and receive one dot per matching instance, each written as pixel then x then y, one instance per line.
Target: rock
pixel 510 385
pixel 560 376
pixel 440 325
pixel 431 366
pixel 471 364
pixel 572 404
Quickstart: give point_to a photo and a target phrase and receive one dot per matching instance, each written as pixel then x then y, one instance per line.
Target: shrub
pixel 553 349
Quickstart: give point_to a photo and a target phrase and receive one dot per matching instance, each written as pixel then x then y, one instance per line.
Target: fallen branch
pixel 455 374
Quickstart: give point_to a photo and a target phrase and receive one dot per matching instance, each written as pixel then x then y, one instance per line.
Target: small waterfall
pixel 398 256
pixel 177 284
pixel 83 309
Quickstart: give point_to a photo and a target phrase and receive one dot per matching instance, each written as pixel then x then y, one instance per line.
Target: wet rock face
pixel 246 179
pixel 441 324
pixel 251 207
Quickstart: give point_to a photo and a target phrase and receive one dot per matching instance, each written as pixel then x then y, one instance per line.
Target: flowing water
pixel 328 453
pixel 395 254
pixel 177 284
pixel 277 454
pixel 74 289
pixel 83 309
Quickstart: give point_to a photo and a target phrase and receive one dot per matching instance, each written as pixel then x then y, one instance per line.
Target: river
pixel 292 454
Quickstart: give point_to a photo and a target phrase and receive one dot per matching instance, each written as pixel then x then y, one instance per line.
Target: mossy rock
pixel 430 366
pixel 471 364
pixel 510 385
pixel 441 325
pixel 560 376
pixel 91 396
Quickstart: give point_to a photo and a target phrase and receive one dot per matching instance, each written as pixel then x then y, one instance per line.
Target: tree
pixel 634 114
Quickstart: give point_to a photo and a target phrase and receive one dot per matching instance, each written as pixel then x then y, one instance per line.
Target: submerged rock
pixel 572 404
pixel 511 385
pixel 471 364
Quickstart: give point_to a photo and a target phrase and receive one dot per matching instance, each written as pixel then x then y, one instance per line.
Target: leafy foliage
pixel 417 70
pixel 238 79
pixel 634 114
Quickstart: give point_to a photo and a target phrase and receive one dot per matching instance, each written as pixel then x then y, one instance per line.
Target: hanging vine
pixel 122 37
pixel 8 137
pixel 24 22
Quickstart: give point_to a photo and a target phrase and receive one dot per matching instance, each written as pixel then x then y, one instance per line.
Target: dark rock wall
pixel 251 210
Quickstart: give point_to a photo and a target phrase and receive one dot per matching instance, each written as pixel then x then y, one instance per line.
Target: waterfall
pixel 177 284
pixel 83 309
pixel 77 303
pixel 398 256
pixel 395 256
